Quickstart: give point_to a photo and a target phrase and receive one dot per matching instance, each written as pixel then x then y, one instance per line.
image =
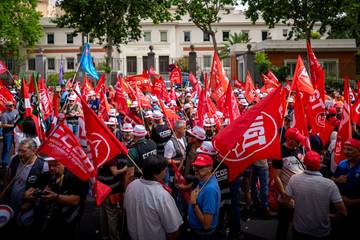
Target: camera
pixel 38 193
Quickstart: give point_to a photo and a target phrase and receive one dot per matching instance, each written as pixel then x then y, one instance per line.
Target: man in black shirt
pixel 59 202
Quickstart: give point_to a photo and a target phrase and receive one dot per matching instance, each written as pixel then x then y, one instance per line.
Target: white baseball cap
pixel 112 121
pixel 139 131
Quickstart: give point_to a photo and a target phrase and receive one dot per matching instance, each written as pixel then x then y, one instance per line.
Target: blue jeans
pixel 260 174
pixel 8 140
pixel 74 128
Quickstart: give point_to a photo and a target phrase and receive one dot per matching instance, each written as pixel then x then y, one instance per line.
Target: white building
pixel 170 41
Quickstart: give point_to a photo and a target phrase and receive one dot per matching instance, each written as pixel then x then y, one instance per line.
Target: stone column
pixel 249 59
pixel 192 60
pixel 40 63
pixel 151 58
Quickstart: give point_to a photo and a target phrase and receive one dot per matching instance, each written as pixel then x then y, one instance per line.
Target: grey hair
pixel 179 124
pixel 29 142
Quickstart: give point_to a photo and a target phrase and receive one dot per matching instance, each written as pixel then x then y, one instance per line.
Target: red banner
pixel 63 145
pixel 256 136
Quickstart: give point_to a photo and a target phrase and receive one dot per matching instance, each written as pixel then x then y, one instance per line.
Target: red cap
pixel 332 111
pixel 294 134
pixel 353 143
pixel 312 160
pixel 203 160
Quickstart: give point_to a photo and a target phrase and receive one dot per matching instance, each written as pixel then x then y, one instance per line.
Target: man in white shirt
pixel 151 211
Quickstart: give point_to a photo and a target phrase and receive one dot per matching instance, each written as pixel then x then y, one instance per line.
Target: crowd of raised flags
pixel 246 119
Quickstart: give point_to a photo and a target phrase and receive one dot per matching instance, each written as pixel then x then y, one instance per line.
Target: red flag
pixel 87 87
pixel 181 180
pixel 100 84
pixel 316 112
pixel 63 145
pixel 3 67
pixel 32 84
pixel 169 114
pixel 175 76
pixel 256 136
pixel 202 107
pixel 104 107
pixel 249 89
pixel 25 93
pixel 46 104
pixel 103 143
pixel 152 72
pixel 315 67
pixel 120 99
pixel 172 94
pixel 355 112
pixel 101 191
pixel 326 133
pixel 300 120
pixel 272 78
pixel 231 109
pixel 301 80
pixel 344 132
pixel 218 80
pixel 141 81
pixel 5 96
pixel 159 89
pixel 142 100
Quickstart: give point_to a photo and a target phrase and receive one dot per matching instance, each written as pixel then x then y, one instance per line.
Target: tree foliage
pixel 19 26
pixel 112 21
pixel 301 15
pixel 204 13
pixel 348 24
pixel 235 38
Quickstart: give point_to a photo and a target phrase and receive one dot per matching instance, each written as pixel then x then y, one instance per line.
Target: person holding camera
pixel 58 202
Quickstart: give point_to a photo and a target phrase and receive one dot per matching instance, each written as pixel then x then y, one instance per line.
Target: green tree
pixel 235 38
pixel 113 22
pixel 19 26
pixel 300 15
pixel 348 24
pixel 204 13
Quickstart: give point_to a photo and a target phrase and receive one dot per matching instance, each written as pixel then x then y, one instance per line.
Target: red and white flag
pixel 46 104
pixel 3 67
pixel 120 98
pixel 175 76
pixel 103 143
pixel 256 136
pixel 5 96
pixel 100 85
pixel 63 145
pixel 315 67
pixel 218 80
pixel 301 80
pixel 87 87
pixel 26 97
pixel 355 112
pixel 344 132
pixel 159 89
pixel 231 109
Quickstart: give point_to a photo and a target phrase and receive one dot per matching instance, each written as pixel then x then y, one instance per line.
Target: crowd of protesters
pixel 168 189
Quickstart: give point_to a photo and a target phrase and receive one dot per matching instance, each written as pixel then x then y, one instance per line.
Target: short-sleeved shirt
pixel 313 194
pixel 150 210
pixel 170 151
pixel 209 203
pixel 9 118
pixel 351 188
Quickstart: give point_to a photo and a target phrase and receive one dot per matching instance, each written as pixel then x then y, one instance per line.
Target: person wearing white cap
pixel 93 102
pixel 160 133
pixel 189 110
pixel 127 136
pixel 140 150
pixel 72 113
pixel 210 128
pixel 134 114
pixel 196 136
pixel 61 195
pixel 149 118
pixel 290 106
pixel 113 124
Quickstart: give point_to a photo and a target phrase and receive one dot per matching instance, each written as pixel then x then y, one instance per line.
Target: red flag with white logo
pixel 218 80
pixel 344 132
pixel 256 136
pixel 169 114
pixel 355 112
pixel 64 146
pixel 26 97
pixel 301 80
pixel 5 96
pixel 104 107
pixel 46 104
pixel 103 143
pixel 120 99
pixel 159 89
pixel 315 67
pixel 100 84
pixel 175 76
pixel 272 79
pixel 316 112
